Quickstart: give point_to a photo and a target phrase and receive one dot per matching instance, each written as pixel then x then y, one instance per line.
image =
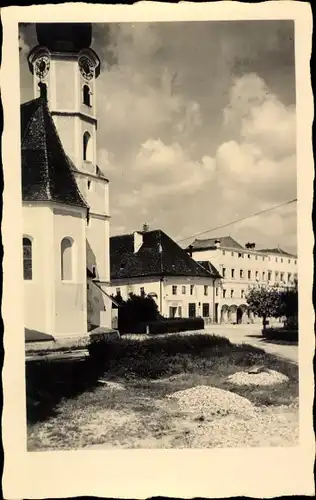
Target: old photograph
pixel 159 234
pixel 157 251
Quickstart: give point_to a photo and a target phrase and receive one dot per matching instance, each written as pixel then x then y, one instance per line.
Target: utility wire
pixel 239 220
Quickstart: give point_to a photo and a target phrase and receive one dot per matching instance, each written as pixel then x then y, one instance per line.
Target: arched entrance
pixel 232 314
pixel 224 313
pixel 241 314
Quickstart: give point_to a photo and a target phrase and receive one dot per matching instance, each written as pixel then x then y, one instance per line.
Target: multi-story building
pixel 241 268
pixel 151 263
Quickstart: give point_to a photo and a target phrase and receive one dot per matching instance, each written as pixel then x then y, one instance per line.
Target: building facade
pixel 242 268
pixel 151 263
pixel 65 195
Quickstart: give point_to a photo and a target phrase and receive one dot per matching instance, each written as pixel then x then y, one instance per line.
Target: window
pixel 231 293
pixel 281 261
pixel 118 291
pixel 206 310
pixel 89 184
pixel 249 256
pixel 249 275
pixel 174 289
pixel 282 276
pixel 242 294
pixel 180 312
pixel 191 289
pixel 224 272
pixel 233 254
pixel 142 290
pixel 241 256
pixel 289 261
pixel 205 290
pixel 276 259
pixel 233 273
pixel 241 274
pixel 295 262
pixel 263 276
pixel 87 147
pixel 216 291
pixel 224 293
pixel 27 259
pixel 86 95
pixel 289 277
pixel 256 257
pixel 66 259
pixel 276 275
pixel 184 290
pixel 269 275
pixel 257 275
pixel 223 251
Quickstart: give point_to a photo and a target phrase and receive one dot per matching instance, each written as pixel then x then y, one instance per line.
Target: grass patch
pixel 70 405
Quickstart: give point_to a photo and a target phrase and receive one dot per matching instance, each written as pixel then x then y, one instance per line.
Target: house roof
pixel 158 255
pixel 209 267
pixel 277 251
pixel 46 169
pixel 209 243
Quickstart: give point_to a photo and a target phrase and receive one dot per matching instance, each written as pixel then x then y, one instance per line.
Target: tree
pixel 289 306
pixel 137 309
pixel 265 302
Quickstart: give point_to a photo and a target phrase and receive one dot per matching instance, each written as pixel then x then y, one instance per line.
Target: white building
pixel 152 263
pixel 241 268
pixel 65 195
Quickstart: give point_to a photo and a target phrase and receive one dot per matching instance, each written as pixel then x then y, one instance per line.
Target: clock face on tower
pixel 42 66
pixel 86 68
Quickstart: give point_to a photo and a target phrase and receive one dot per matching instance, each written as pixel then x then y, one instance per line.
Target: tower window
pixel 87 147
pixel 27 259
pixel 66 259
pixel 86 95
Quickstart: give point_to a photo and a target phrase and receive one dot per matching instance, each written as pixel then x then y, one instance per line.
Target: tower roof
pixel 46 169
pixel 64 37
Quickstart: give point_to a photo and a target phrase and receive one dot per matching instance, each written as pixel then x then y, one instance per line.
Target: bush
pixel 136 310
pixel 172 325
pixel 281 334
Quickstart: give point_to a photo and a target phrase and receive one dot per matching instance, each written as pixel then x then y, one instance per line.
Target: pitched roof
pixel 209 243
pixel 46 169
pixel 158 255
pixel 209 267
pixel 277 251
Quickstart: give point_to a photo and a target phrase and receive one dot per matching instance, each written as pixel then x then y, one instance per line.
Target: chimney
pixel 138 241
pixel 217 243
pixel 253 245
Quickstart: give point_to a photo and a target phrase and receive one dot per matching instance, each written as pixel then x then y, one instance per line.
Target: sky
pixel 196 126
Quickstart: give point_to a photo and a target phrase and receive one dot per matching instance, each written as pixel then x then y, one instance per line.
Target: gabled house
pixel 150 262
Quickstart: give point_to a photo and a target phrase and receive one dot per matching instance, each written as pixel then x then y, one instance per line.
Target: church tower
pixel 65 71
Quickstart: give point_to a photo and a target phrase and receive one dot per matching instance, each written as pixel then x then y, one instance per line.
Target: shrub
pixel 172 325
pixel 137 309
pixel 289 335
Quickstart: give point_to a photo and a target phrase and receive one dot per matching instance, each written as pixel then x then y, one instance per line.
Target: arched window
pixel 86 95
pixel 27 259
pixel 87 147
pixel 66 259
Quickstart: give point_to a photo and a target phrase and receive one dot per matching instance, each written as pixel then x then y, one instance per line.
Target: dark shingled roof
pixel 277 251
pixel 209 267
pixel 46 169
pixel 209 243
pixel 159 255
